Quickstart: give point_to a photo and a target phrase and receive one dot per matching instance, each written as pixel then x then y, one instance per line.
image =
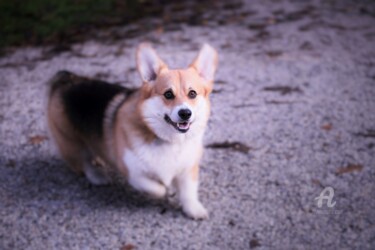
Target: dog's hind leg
pixel 94 171
pixel 81 161
pixel 70 150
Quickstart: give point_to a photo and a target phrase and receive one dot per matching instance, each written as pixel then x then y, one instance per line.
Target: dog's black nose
pixel 184 114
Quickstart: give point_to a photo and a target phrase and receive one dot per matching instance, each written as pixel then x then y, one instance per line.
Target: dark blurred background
pixel 37 22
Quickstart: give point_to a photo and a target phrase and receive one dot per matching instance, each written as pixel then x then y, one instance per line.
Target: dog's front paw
pixel 195 210
pixel 157 192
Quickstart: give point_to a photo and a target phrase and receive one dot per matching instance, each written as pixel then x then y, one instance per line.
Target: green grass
pixel 40 21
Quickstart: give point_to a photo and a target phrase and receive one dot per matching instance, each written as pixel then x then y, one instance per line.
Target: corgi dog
pixel 152 136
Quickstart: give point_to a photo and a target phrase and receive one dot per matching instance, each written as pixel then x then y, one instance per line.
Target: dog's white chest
pixel 162 160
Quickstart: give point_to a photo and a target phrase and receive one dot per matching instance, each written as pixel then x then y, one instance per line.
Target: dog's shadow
pixel 48 181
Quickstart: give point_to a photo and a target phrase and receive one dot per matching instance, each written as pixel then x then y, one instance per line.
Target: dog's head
pixel 176 102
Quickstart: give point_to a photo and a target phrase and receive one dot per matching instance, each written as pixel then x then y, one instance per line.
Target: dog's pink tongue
pixel 183 125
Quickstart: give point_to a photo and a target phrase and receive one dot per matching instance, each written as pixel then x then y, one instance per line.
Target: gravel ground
pixel 293 113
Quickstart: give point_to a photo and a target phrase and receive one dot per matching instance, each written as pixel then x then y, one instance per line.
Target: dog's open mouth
pixel 182 127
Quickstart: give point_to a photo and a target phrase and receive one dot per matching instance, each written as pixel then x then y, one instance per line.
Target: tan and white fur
pixel 153 137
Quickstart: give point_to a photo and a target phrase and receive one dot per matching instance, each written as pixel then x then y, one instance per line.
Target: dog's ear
pixel 206 62
pixel 149 63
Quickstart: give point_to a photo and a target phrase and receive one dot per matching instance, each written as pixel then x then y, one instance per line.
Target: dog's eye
pixel 169 95
pixel 192 94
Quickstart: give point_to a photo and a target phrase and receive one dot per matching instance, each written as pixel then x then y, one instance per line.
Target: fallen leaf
pixel 370 133
pixel 11 163
pixel 274 53
pixel 306 46
pixel 276 102
pixel 254 243
pixel 349 168
pixel 226 46
pixel 284 90
pixel 216 91
pixel 257 26
pixel 37 139
pixel 128 247
pixel 220 82
pixel 231 223
pixel 316 182
pixel 271 21
pixel 159 30
pixel 326 127
pixel 236 146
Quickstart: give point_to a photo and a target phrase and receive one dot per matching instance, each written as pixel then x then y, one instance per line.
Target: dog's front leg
pixel 139 179
pixel 144 184
pixel 187 184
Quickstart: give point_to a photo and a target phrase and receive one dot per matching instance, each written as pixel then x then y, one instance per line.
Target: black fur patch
pixel 62 78
pixel 85 104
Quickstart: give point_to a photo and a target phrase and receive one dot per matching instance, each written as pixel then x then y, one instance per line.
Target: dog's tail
pixel 61 79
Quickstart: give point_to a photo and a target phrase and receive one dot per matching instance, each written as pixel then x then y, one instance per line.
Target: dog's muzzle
pixel 182 126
